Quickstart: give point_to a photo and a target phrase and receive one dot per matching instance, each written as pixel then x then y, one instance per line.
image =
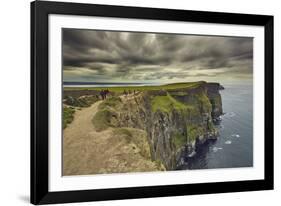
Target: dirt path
pixel 86 151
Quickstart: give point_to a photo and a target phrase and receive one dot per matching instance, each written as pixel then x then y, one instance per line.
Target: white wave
pixel 235 135
pixel 228 142
pixel 215 149
pixel 228 114
pixel 192 154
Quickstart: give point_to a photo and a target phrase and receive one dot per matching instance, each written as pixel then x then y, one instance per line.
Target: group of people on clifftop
pixel 104 93
pixel 125 92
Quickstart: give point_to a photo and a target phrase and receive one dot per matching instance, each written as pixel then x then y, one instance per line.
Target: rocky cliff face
pixel 175 120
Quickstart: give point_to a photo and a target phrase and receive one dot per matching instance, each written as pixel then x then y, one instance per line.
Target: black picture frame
pixel 39 102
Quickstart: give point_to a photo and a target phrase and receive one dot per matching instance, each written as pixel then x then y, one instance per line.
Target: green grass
pixel 103 119
pixel 210 125
pixel 216 100
pixel 90 100
pixel 68 115
pixel 110 102
pixel 204 101
pixel 167 104
pixel 106 116
pixel 178 140
pixel 178 93
pixel 80 102
pixel 173 86
pixel 196 101
pixel 193 131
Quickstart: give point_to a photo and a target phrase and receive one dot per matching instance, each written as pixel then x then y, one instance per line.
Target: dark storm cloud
pixel 145 56
pixel 82 39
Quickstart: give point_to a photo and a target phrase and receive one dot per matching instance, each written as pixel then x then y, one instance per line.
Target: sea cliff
pixel 175 120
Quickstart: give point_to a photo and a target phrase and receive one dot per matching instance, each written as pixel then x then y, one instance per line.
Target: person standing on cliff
pixel 106 93
pixel 102 94
pixel 125 92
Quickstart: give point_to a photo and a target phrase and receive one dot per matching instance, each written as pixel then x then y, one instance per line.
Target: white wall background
pixel 14 102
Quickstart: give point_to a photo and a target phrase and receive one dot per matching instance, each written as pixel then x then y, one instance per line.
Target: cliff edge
pixel 175 120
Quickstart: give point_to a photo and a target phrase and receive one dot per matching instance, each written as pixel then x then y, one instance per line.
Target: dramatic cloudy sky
pixel 100 56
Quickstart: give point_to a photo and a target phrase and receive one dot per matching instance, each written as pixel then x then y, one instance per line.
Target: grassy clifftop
pixel 172 86
pixel 167 103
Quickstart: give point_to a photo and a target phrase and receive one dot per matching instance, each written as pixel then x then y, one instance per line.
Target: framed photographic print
pixel 131 102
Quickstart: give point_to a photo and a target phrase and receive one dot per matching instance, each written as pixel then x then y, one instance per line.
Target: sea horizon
pixel 107 84
pixel 132 84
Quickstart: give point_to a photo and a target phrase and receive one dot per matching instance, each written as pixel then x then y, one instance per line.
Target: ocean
pixel 234 146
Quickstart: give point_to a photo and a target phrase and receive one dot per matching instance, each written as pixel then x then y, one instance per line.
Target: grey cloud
pixel 146 56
